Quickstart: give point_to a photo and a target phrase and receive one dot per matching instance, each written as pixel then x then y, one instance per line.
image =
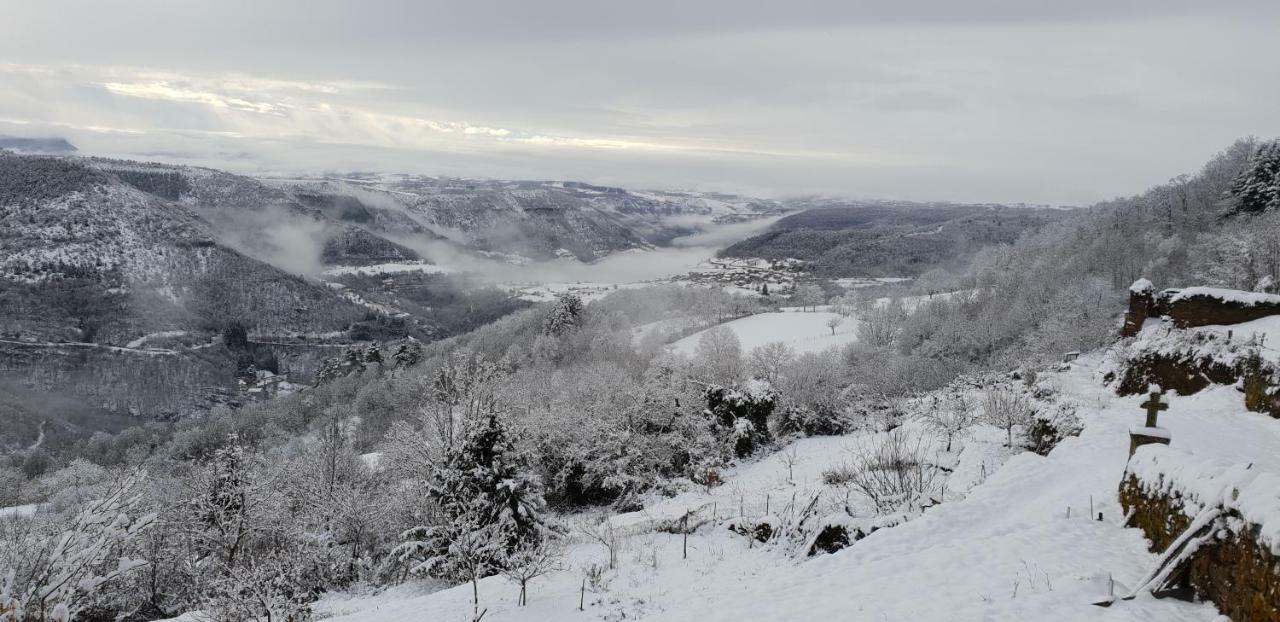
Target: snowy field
pixel 386 268
pixel 804 332
pixel 1018 544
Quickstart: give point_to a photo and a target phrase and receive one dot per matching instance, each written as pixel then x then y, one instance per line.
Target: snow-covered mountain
pixel 535 219
pixel 90 266
pixel 115 274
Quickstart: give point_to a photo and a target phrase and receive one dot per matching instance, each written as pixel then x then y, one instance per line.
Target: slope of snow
pixel 805 332
pixel 1264 332
pixel 1020 545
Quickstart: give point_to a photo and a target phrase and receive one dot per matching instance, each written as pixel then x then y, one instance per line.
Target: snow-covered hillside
pixel 804 332
pixel 1022 544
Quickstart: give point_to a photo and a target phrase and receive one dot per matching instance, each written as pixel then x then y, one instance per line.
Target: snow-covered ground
pixel 19 510
pixel 798 327
pixel 386 268
pixel 804 332
pixel 587 291
pixel 1265 332
pixel 1017 544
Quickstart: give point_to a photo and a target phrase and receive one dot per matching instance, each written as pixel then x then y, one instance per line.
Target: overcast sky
pixel 996 100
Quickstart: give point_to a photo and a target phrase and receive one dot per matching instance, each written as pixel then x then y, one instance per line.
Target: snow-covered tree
pixel 1006 409
pixel 1257 187
pixel 66 570
pixel 811 394
pixel 530 562
pixel 742 415
pixel 225 504
pixel 810 295
pixel 489 506
pixel 879 324
pixel 767 362
pixel 564 315
pixel 408 353
pixel 718 356
pixel 949 418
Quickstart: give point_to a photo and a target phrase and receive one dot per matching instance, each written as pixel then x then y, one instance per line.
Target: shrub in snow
pixel 811 394
pixel 761 529
pixel 837 531
pixel 60 575
pixel 1051 427
pixel 809 422
pixel 742 416
pixel 894 473
pixel 270 588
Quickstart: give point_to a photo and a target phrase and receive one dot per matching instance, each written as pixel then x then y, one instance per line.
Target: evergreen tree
pixel 1257 187
pixel 564 316
pixel 490 506
pixel 408 353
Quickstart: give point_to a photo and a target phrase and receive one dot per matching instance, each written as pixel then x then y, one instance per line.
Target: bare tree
pixel 1006 409
pixel 834 322
pixel 950 418
pixel 769 360
pixel 879 324
pixel 529 563
pixel 810 296
pixel 601 530
pixel 719 354
pixel 791 458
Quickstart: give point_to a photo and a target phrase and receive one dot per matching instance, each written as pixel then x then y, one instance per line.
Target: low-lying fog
pixel 683 255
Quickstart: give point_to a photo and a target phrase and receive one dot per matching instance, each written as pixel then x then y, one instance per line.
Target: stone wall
pixel 1201 358
pixel 1234 570
pixel 1206 310
pixel 1197 306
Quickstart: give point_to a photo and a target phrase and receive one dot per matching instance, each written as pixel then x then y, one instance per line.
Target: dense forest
pixel 891 240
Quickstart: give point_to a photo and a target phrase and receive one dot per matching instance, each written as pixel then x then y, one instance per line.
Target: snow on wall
pixel 1225 295
pixel 1251 491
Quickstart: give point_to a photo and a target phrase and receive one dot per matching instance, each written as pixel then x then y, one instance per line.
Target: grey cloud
pixel 1063 102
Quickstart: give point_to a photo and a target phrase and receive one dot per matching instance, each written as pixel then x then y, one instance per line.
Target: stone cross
pixel 1154 406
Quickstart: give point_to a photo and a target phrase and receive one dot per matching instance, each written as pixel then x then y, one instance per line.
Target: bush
pixel 893 474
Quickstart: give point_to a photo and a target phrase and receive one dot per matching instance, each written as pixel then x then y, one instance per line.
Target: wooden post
pixel 684 529
pixel 582 596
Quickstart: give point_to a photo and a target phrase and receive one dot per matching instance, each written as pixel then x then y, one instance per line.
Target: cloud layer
pixel 989 100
